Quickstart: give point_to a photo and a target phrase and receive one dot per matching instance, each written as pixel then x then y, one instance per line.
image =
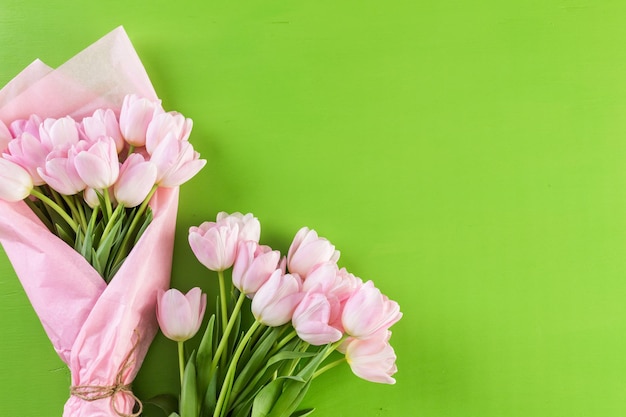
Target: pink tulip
pixel 328 279
pixel 313 318
pixel 368 311
pixel 103 123
pixel 30 153
pixel 59 133
pixel 180 316
pixel 135 116
pixel 214 244
pixel 308 250
pixel 136 179
pixel 15 182
pixel 91 197
pixel 249 226
pixel 164 124
pixel 98 165
pixel 372 359
pixel 176 161
pixel 60 173
pixel 30 125
pixel 274 303
pixel 253 266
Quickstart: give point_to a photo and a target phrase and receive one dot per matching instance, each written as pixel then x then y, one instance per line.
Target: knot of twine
pixel 99 392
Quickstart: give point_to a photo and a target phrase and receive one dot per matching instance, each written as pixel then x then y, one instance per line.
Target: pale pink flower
pixel 253 266
pixel 214 244
pixel 136 179
pixel 135 116
pixel 164 124
pixel 30 125
pixel 313 318
pixel 249 226
pixel 30 153
pixel 274 303
pixel 91 196
pixel 15 182
pixel 372 359
pixel 59 133
pixel 177 162
pixel 368 311
pixel 60 173
pixel 98 165
pixel 180 315
pixel 308 250
pixel 103 123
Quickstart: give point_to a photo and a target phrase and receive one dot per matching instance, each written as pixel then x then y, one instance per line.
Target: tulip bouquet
pixel 303 308
pixel 89 176
pixel 91 181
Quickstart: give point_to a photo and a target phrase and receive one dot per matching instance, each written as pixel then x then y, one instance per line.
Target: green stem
pixel 131 149
pixel 328 367
pixel 70 203
pixel 107 202
pixel 181 361
pixel 111 222
pixel 78 202
pixel 285 340
pixel 229 327
pixel 54 206
pixel 123 251
pixel 223 399
pixel 223 303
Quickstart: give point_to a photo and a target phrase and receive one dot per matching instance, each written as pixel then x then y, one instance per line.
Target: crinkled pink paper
pixel 92 326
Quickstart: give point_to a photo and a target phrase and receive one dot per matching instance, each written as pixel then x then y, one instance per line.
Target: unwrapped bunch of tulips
pixel 303 308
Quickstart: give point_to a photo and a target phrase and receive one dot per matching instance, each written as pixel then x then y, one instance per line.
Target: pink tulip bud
pixel 91 197
pixel 98 165
pixel 274 303
pixel 176 161
pixel 249 226
pixel 180 316
pixel 253 266
pixel 30 125
pixel 313 318
pixel 59 133
pixel 103 123
pixel 308 250
pixel 15 182
pixel 164 124
pixel 135 116
pixel 30 153
pixel 60 173
pixel 214 245
pixel 368 311
pixel 136 179
pixel 372 359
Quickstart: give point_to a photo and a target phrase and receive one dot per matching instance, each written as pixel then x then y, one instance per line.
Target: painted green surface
pixel 469 157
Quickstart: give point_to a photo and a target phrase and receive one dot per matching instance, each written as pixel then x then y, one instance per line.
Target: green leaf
pixel 265 399
pixel 166 402
pixel 257 361
pixel 210 398
pixel 291 397
pixel 303 413
pixel 205 356
pixel 147 219
pixel 189 393
pixel 174 415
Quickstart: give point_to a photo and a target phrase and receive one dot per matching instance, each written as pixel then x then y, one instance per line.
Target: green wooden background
pixel 468 156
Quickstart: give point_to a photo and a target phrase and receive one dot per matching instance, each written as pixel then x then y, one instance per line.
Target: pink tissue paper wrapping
pixel 102 332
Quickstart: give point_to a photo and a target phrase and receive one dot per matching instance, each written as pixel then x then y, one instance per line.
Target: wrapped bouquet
pixel 89 178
